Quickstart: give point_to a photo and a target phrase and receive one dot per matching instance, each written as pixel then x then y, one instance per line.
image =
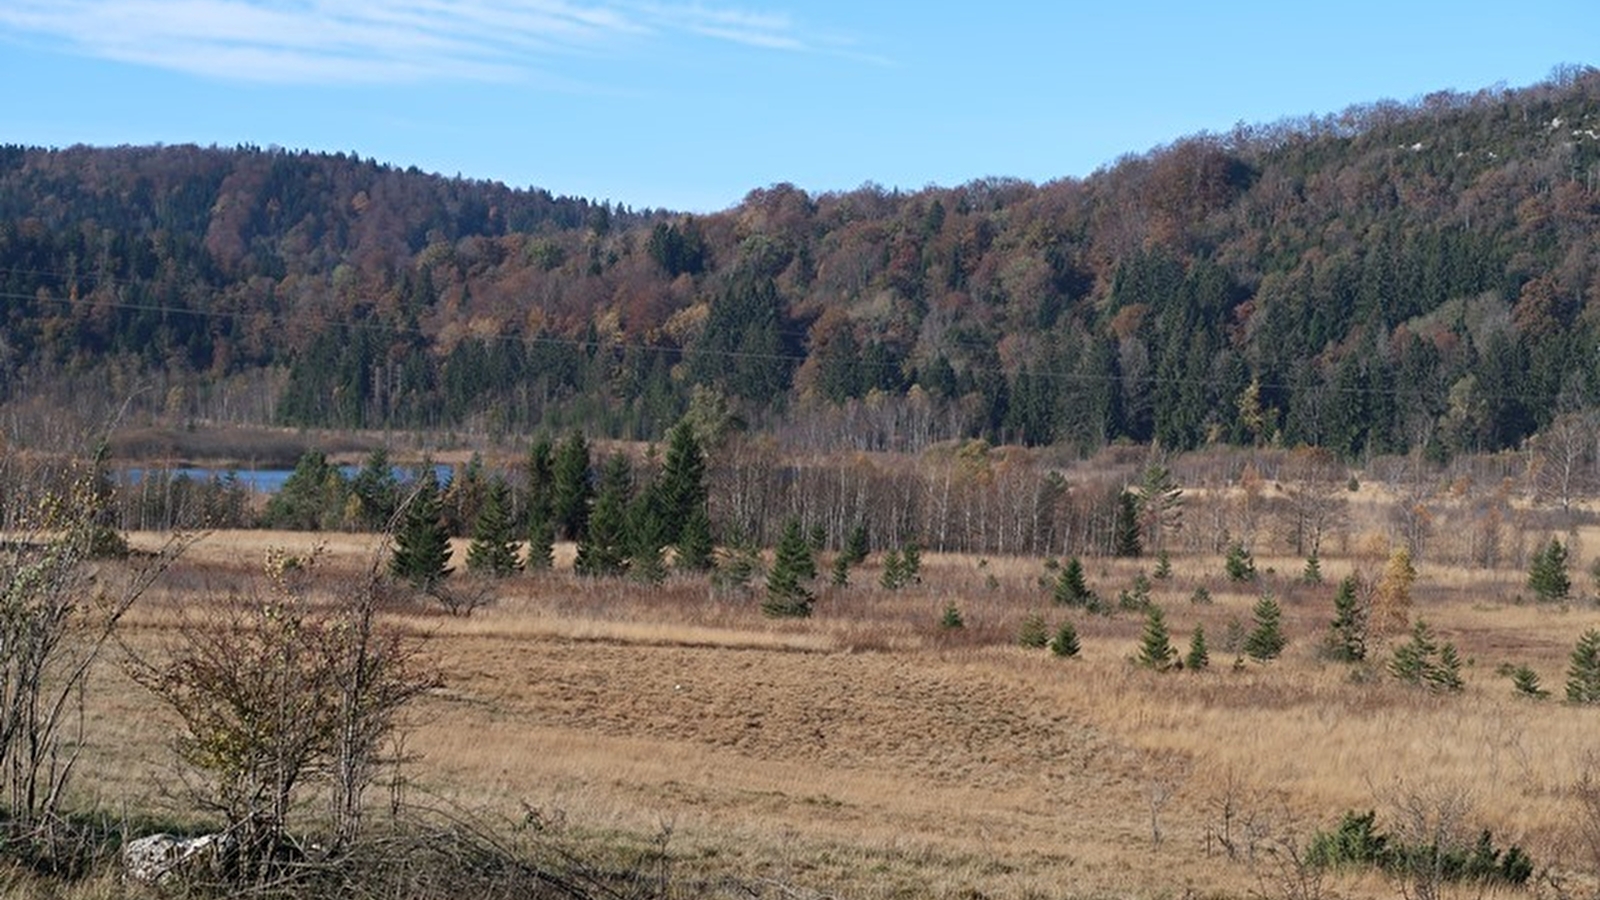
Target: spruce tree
pixel 1424 662
pixel 787 594
pixel 570 491
pixel 1163 569
pixel 422 546
pixel 951 619
pixel 492 551
pixel 1071 589
pixel 856 547
pixel 376 490
pixel 893 577
pixel 1199 656
pixel 683 480
pixel 1065 643
pixel 1347 634
pixel 1125 540
pixel 911 563
pixel 1155 647
pixel 542 545
pixel 696 550
pixel 604 548
pixel 1266 641
pixel 1583 673
pixel 840 576
pixel 1547 574
pixel 1525 681
pixel 1312 574
pixel 1239 565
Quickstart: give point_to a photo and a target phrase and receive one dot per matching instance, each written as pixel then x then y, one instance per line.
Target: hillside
pixel 1393 277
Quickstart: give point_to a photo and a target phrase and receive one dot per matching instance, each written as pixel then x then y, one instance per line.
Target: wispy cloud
pixel 360 41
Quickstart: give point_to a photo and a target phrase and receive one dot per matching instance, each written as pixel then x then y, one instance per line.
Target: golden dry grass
pixel 868 753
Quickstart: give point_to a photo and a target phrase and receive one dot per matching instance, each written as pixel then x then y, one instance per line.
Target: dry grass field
pixel 867 752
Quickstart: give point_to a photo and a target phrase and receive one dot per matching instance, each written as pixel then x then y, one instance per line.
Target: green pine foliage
pixel 951 619
pixel 856 546
pixel 682 484
pixel 570 489
pixel 1347 634
pixel 696 549
pixel 421 554
pixel 840 576
pixel 1071 588
pixel 793 566
pixel 312 499
pixel 1065 642
pixel 1163 570
pixel 1547 573
pixel 1423 662
pixel 541 546
pixel 1126 539
pixel 1583 670
pixel 1525 682
pixel 493 552
pixel 604 548
pixel 1155 645
pixel 1201 596
pixel 1239 565
pixel 1312 573
pixel 1266 640
pixel 376 491
pixel 1199 656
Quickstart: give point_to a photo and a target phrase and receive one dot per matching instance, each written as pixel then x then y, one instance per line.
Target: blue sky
pixel 689 104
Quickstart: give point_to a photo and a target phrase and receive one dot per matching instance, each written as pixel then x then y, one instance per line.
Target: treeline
pixel 1395 277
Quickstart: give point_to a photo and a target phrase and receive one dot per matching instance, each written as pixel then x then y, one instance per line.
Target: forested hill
pixel 1391 277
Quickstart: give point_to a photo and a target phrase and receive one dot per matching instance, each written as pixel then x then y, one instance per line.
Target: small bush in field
pixel 951 619
pixel 1065 643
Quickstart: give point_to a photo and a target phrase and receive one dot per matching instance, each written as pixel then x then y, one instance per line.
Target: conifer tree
pixel 841 572
pixel 542 545
pixel 1547 574
pixel 683 480
pixel 1424 662
pixel 603 548
pixel 951 619
pixel 856 547
pixel 1266 641
pixel 1125 539
pixel 1071 589
pixel 1155 647
pixel 1525 681
pixel 571 491
pixel 422 546
pixel 696 549
pixel 1239 565
pixel 1312 574
pixel 1160 506
pixel 787 594
pixel 1065 643
pixel 1163 569
pixel 1347 634
pixel 1583 673
pixel 894 576
pixel 492 551
pixel 1199 656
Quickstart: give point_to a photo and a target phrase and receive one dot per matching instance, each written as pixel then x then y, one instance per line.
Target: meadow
pixel 871 752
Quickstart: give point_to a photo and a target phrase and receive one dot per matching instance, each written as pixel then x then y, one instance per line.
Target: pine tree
pixel 603 548
pixel 1424 662
pixel 951 619
pixel 856 547
pixel 1266 641
pixel 840 576
pixel 1163 569
pixel 1155 647
pixel 1583 674
pixel 787 595
pixel 1347 634
pixel 1525 681
pixel 541 545
pixel 696 550
pixel 1125 540
pixel 1239 565
pixel 1065 643
pixel 1199 656
pixel 422 546
pixel 1312 573
pixel 894 576
pixel 376 490
pixel 492 550
pixel 571 492
pixel 911 563
pixel 1547 574
pixel 683 479
pixel 1071 589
